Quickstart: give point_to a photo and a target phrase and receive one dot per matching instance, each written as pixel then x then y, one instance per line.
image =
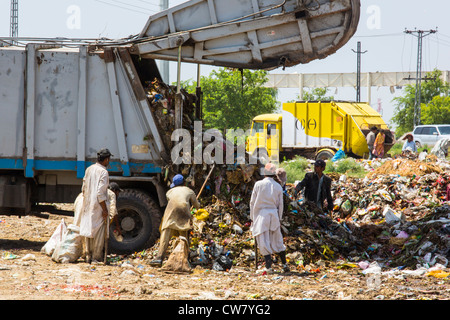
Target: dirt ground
pixel 28 274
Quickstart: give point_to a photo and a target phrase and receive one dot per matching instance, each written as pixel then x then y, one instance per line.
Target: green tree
pixel 231 99
pixel 436 111
pixel 434 89
pixel 317 94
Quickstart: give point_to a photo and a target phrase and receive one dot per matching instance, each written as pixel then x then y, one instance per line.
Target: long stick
pixel 256 254
pixel 105 258
pixel 206 180
pixel 204 183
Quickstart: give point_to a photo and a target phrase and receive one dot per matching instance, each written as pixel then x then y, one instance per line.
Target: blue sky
pixel 380 31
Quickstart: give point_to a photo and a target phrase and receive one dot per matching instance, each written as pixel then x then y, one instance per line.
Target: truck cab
pixel 264 140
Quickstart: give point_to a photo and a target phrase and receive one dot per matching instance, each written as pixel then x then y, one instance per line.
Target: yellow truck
pixel 316 130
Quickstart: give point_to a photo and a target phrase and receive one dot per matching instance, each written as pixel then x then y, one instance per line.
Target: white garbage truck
pixel 62 100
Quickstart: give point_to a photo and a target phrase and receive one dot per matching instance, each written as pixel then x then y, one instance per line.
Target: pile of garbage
pixel 162 103
pixel 400 221
pixel 161 97
pixel 394 215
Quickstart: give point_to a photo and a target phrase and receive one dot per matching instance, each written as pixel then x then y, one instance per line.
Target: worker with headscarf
pixel 266 212
pixel 177 219
pixel 409 145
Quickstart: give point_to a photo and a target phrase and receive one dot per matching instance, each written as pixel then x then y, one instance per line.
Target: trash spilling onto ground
pixel 394 216
pixel 161 97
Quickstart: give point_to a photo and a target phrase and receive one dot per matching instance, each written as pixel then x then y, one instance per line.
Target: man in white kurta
pixel 95 205
pixel 266 211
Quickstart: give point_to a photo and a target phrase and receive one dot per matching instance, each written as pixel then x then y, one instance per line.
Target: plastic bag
pixel 71 246
pixel 223 263
pixel 201 214
pixel 55 239
pixel 392 217
pixel 178 259
pixel 346 207
pixel 339 155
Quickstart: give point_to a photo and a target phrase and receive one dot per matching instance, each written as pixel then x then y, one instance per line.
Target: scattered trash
pixel 9 256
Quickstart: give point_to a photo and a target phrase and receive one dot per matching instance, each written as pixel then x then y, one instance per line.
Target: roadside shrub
pixel 295 168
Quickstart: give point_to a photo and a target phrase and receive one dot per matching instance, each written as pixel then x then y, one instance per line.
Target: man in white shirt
pixel 266 211
pixel 95 206
pixel 113 193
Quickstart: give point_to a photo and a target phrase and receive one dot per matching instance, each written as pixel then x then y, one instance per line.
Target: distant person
pixel 371 140
pixel 409 144
pixel 282 177
pixel 378 146
pixel 317 186
pixel 423 155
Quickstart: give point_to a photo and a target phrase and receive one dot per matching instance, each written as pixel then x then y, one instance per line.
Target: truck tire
pixel 324 155
pixel 139 217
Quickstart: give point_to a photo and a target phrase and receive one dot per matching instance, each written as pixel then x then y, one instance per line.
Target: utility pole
pixel 164 5
pixel 14 21
pixel 420 34
pixel 358 72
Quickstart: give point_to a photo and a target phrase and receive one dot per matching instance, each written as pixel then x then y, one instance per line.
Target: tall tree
pixel 434 89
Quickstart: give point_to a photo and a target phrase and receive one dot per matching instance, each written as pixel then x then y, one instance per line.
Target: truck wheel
pixel 324 155
pixel 139 217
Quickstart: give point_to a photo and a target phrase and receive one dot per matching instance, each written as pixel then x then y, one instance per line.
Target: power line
pixel 147 2
pixel 122 7
pixel 14 22
pixel 380 35
pixel 132 5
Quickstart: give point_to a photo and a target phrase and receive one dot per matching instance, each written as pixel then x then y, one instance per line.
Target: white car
pixel 430 134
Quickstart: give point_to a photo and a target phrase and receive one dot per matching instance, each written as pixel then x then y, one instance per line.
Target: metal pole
pixel 198 91
pixel 358 71
pixel 14 22
pixel 164 65
pixel 418 96
pixel 178 96
pixel 179 70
